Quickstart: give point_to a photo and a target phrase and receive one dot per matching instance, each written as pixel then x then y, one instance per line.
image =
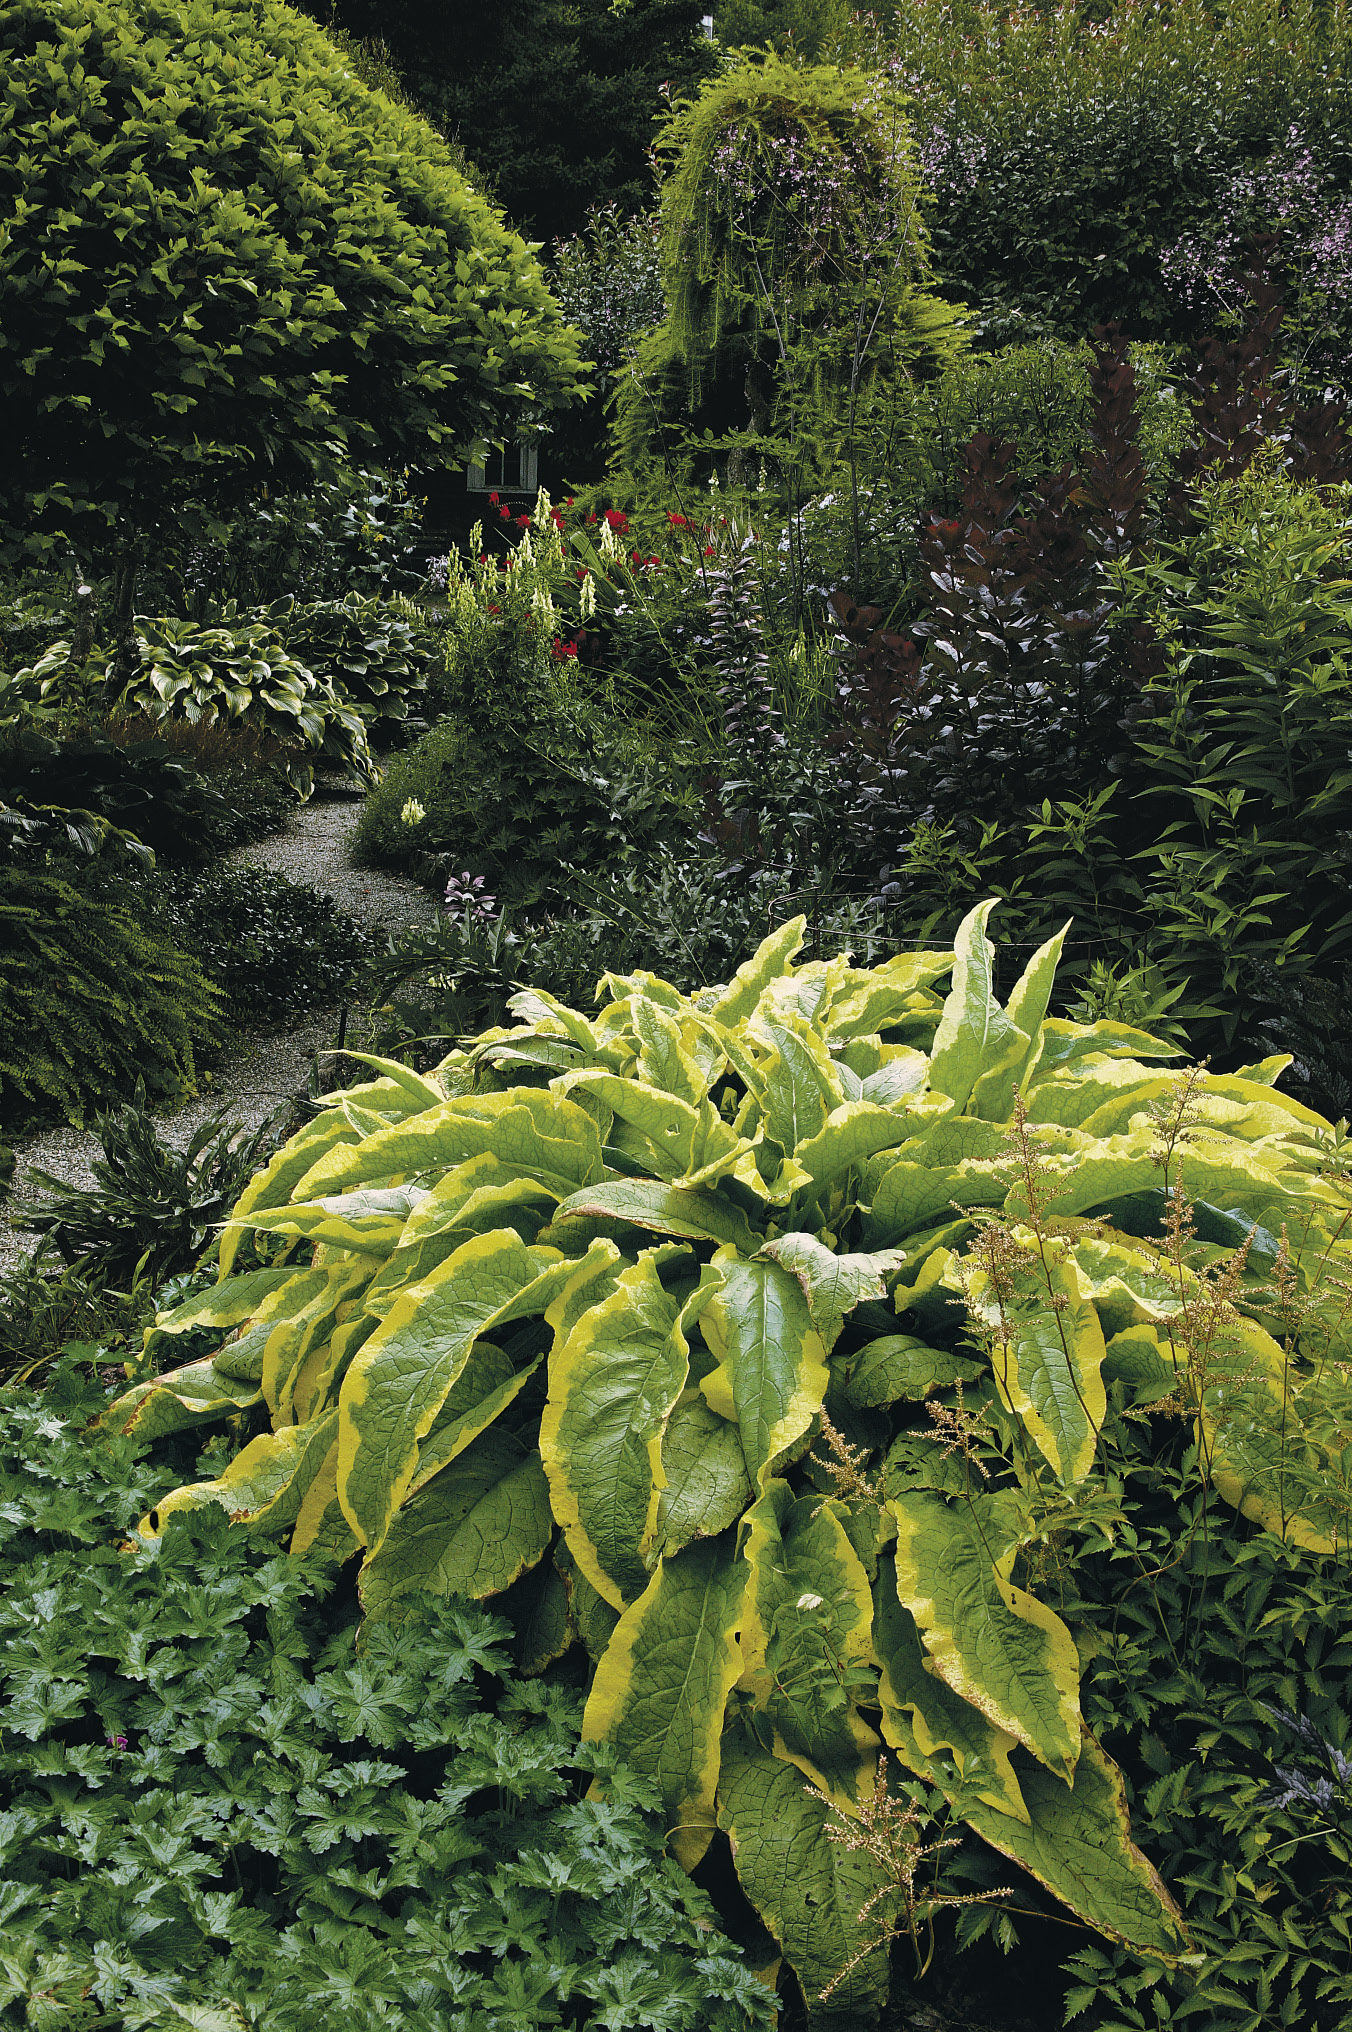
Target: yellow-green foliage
pixel 570 1315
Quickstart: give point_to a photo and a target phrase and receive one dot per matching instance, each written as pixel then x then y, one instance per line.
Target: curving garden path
pixel 265 1068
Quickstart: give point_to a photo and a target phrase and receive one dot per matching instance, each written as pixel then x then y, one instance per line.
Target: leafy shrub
pixel 152 1209
pixel 521 809
pixel 245 672
pixel 617 1276
pixel 45 1310
pixel 1065 150
pixel 93 998
pixel 272 947
pixel 317 1838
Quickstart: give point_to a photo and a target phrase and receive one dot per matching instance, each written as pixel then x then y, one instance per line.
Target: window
pixel 514 469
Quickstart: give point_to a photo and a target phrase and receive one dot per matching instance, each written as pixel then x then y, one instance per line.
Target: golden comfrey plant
pixel 645 1324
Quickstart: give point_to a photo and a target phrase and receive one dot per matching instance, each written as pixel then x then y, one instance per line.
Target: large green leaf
pixel 771 1376
pixel 613 1381
pixel 706 1485
pixel 471 1530
pixel 806 1639
pixel 975 1038
pixel 540 1134
pixel 899 1368
pixel 993 1090
pixel 809 1889
pixel 1076 1841
pixel 1047 1353
pixel 698 1215
pixel 833 1283
pixel 772 957
pixel 920 1708
pixel 273 1185
pixel 995 1645
pixel 267 1480
pixel 662 1686
pixel 402 1375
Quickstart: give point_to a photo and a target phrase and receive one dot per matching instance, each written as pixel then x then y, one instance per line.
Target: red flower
pixel 678 521
pixel 494 499
pixel 709 550
pixel 561 650
pixel 617 521
pixel 522 521
pixel 495 610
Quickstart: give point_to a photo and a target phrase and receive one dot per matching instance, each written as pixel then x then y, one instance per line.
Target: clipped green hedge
pixel 230 263
pixel 766 1339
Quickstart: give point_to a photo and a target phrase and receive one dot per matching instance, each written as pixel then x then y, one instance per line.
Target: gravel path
pixel 268 1068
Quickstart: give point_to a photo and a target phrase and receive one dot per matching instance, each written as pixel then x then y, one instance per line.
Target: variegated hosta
pixel 562 1321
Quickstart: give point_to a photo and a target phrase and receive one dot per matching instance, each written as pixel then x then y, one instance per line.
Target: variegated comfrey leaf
pixel 995 1645
pixel 662 1687
pixel 613 1382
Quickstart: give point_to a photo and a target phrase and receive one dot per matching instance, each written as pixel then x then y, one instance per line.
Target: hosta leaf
pixel 406 1091
pixel 298 1318
pixel 920 1709
pixel 994 1645
pixel 975 1038
pixel 852 1133
pixel 799 1085
pixel 1129 1286
pixel 1047 1360
pixel 832 1284
pixel 593 1618
pixel 898 1368
pixel 321 1527
pixel 912 1192
pixel 1264 1450
pixel 226 1304
pixel 470 1531
pixel 265 1483
pixel 771 1376
pixel 686 1211
pixel 401 1378
pixel 809 1889
pixel 366 1221
pixel 662 1686
pixel 1076 1841
pixel 677 1139
pixel 536 1606
pixel 179 1398
pixel 806 1639
pixel 1138 1358
pixel 612 1384
pixel 472 1197
pixel 667 1057
pixel 706 1483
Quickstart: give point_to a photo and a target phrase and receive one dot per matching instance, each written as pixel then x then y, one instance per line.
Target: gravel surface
pixel 269 1068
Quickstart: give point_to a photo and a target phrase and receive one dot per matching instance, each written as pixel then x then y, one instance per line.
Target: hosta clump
pixel 763 1338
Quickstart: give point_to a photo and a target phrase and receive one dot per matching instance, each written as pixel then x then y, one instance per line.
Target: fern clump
pixel 770 1342
pixel 93 999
